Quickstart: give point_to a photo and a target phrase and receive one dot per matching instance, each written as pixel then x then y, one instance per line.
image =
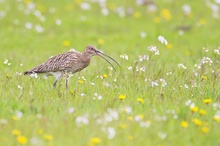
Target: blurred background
pixel 32 30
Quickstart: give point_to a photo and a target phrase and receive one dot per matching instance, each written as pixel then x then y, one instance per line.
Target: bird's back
pixel 68 61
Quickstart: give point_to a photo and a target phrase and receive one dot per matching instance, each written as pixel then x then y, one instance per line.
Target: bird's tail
pixel 27 73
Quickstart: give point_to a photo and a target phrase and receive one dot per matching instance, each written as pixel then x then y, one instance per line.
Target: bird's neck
pixel 86 57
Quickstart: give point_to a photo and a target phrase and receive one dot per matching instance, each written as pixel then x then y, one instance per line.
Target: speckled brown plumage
pixel 67 63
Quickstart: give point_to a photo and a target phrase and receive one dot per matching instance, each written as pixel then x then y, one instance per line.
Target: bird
pixel 68 63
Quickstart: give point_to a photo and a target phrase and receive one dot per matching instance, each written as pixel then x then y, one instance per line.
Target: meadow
pixel 166 92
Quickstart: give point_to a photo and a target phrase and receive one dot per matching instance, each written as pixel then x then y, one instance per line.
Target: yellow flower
pixel 16 132
pixel 95 141
pixel 216 118
pixel 123 126
pixel 80 81
pixel 8 76
pixel 197 122
pixel 130 137
pixel 205 130
pixel 187 53
pixel 122 97
pixel 27 1
pixel 137 14
pixel 194 109
pixel 140 116
pixel 207 101
pixel 105 76
pixel 140 100
pixel 66 43
pixel 72 92
pixel 202 112
pixel 165 13
pixel 78 1
pixel 101 41
pixel 156 19
pixel 4 139
pixel 40 131
pixel 22 140
pixel 169 46
pixel 202 21
pixel 15 118
pixel 204 78
pixel 130 118
pixel 184 124
pixel 48 137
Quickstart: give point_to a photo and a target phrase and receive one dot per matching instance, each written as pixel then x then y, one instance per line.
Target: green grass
pixel 38 111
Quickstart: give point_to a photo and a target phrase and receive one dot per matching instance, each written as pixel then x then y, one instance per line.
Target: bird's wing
pixel 59 62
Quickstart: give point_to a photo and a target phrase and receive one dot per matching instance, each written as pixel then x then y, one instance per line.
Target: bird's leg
pixel 55 83
pixel 67 81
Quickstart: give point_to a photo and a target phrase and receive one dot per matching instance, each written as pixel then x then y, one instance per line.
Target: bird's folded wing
pixel 59 62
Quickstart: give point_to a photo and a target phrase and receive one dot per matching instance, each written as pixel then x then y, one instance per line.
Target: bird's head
pixel 91 50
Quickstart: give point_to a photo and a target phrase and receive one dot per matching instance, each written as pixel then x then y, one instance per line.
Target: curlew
pixel 68 63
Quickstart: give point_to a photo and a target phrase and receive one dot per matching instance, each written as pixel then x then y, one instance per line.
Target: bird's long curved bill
pixel 101 55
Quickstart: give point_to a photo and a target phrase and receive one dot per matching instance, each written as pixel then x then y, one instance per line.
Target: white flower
pixel 70 110
pixel 145 124
pixel 58 22
pixel 83 18
pixel 143 34
pixel 162 40
pixel 34 75
pixel 105 11
pixel 186 86
pixel 19 87
pixel 110 116
pixel 205 60
pixel 186 9
pixel 217 51
pixel 164 83
pixel 169 73
pixel 175 116
pixel 137 118
pixel 126 109
pixel 6 61
pixel 52 10
pixel 110 68
pixel 19 114
pixel 140 2
pixel 39 28
pixel 142 69
pixel 82 94
pixel 28 25
pixel 154 84
pixel 181 66
pixel 144 57
pixel 85 6
pixel 2 14
pixel 124 56
pixel 31 5
pixel 120 11
pixel 154 50
pixel 206 50
pixel 129 68
pixel 3 121
pixel 82 120
pixel 36 141
pixel 192 105
pixel 162 135
pixel 111 132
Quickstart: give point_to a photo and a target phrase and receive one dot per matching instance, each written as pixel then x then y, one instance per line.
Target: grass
pixel 176 106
